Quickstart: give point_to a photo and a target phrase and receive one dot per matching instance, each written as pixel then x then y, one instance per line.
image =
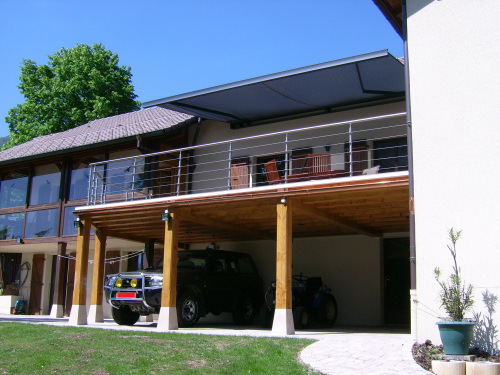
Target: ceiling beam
pixel 335 220
pixel 217 224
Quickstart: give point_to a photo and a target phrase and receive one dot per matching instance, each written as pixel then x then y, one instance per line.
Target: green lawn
pixel 42 349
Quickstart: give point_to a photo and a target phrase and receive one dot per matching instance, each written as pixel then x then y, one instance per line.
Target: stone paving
pixel 358 351
pixel 362 353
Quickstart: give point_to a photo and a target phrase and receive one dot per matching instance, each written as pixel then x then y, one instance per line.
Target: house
pixel 352 170
pixel 315 156
pixel 307 170
pixel 453 79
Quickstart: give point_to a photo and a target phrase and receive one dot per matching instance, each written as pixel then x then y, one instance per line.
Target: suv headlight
pixel 155 281
pixel 110 281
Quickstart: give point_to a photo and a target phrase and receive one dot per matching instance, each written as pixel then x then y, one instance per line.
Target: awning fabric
pixel 320 87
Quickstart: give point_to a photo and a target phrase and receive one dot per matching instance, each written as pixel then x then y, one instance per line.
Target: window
pixel 190 261
pixel 69 218
pixel 68 227
pixel 124 175
pixel 41 223
pixel 391 154
pixel 11 226
pixel 246 265
pixel 299 160
pixel 80 175
pixel 45 184
pixel 10 263
pixel 13 189
pixel 359 157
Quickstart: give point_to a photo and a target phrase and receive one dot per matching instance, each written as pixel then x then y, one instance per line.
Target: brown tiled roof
pixel 103 130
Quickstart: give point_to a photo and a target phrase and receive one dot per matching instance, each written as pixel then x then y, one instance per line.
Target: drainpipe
pixel 410 152
pixel 413 258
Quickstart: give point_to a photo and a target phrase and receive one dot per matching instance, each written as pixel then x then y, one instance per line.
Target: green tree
pixel 76 86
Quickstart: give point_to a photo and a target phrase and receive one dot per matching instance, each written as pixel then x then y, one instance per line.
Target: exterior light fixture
pixel 77 223
pixel 166 216
pixel 283 200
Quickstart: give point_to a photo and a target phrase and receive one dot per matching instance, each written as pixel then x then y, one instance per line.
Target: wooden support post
pixel 167 319
pixel 95 312
pixel 57 310
pixel 283 316
pixel 78 314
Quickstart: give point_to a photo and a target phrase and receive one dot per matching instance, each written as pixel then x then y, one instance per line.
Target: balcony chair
pixel 272 174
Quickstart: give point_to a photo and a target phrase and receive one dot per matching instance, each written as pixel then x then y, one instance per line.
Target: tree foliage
pixel 76 86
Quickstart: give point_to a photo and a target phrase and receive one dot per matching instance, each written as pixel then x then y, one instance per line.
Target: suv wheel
pixel 124 316
pixel 245 310
pixel 188 309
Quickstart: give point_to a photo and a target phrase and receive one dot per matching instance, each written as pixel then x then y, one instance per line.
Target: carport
pixel 367 205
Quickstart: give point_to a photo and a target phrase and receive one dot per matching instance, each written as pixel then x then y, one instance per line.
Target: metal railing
pixel 341 149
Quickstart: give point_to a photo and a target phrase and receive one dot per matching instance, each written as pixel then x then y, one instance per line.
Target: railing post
pixel 103 193
pixel 178 187
pixel 90 192
pixel 286 158
pixel 230 153
pixel 350 150
pixel 134 170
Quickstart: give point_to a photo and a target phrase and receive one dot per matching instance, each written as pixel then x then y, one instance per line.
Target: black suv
pixel 208 281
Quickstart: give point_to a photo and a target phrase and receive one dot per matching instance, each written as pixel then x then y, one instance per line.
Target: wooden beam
pixel 218 224
pixel 96 312
pixel 167 319
pixel 283 317
pixel 78 315
pixel 335 220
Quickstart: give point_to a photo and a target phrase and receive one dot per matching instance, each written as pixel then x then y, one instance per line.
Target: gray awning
pixel 321 87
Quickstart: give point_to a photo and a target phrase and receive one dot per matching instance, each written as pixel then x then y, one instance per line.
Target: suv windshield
pixel 187 261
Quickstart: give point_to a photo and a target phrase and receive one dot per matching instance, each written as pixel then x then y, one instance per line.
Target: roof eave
pixel 392 10
pixel 99 145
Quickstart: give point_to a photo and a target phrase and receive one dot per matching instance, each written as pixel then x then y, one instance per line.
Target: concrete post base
pixel 95 314
pixel 57 311
pixel 78 315
pixel 167 320
pixel 283 322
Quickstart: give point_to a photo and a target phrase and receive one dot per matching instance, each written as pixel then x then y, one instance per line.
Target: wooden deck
pixel 370 206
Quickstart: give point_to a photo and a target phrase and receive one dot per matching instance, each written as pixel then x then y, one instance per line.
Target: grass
pixel 43 349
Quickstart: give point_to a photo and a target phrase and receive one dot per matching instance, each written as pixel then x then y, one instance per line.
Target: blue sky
pixel 177 46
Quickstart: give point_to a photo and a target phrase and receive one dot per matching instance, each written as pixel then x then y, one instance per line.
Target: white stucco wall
pixel 454 82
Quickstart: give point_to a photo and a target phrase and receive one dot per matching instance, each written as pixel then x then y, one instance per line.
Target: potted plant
pixel 456 297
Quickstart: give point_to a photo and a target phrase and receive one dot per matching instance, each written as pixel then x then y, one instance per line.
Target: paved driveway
pixel 339 351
